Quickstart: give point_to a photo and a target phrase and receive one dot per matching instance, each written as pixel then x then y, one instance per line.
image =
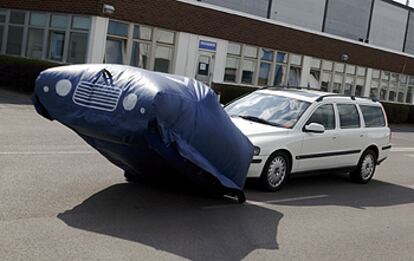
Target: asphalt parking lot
pixel 60 200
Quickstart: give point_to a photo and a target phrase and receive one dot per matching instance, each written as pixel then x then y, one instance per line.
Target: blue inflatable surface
pixel 146 122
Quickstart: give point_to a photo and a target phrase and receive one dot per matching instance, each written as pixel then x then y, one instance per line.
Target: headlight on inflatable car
pixel 256 151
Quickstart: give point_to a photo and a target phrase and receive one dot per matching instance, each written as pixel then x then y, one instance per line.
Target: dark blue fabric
pixel 142 120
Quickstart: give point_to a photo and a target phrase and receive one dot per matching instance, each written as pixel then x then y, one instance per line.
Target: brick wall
pixel 188 18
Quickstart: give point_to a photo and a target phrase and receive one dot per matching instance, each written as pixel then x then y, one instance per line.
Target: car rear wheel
pixel 276 172
pixel 366 168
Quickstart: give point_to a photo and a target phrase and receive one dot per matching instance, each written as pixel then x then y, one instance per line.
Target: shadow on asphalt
pixel 402 128
pixel 8 97
pixel 177 221
pixel 335 190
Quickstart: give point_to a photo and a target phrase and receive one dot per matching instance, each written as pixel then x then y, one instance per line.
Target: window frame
pixel 363 117
pixel 337 105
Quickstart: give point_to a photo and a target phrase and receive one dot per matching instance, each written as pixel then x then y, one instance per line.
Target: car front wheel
pixel 275 172
pixel 366 168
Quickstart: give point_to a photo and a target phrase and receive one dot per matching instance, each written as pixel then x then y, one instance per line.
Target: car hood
pixel 254 129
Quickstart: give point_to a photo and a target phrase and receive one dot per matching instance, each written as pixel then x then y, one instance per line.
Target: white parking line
pixel 402 149
pixel 409 155
pixel 265 203
pixel 46 152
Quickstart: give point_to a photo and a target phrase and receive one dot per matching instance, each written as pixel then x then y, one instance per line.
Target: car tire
pixel 365 169
pixel 275 172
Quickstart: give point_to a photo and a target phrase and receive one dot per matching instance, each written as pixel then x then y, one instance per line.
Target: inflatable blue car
pixel 146 122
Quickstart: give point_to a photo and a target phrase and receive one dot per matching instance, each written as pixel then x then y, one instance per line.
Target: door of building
pixel 205 67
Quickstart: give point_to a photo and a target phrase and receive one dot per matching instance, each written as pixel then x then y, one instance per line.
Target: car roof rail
pixel 346 96
pixel 289 87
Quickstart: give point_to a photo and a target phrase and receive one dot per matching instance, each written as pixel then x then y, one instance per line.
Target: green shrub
pixel 19 74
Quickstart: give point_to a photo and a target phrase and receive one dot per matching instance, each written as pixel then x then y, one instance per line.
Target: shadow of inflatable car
pixel 146 122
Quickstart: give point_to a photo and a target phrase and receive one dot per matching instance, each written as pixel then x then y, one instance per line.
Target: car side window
pixel 348 116
pixel 324 115
pixel 373 116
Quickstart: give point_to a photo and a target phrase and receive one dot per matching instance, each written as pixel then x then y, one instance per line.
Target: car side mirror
pixel 315 128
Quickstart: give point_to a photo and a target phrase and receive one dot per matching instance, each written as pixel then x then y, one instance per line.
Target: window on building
pixel 17 17
pixel 280 69
pixel 266 57
pixel 295 69
pixel 77 47
pixel 118 29
pixel 400 97
pixel 315 74
pixel 2 16
pixel 14 40
pixel 1 36
pixel 81 23
pixel 59 21
pixel 56 45
pixel 142 32
pixel 337 83
pixel 359 87
pixel 232 65
pixel 166 37
pixel 326 79
pixel 248 71
pixel 163 59
pixel 140 55
pixel 38 19
pixel 232 62
pixel 409 98
pixel 115 51
pixel 391 96
pixel 35 43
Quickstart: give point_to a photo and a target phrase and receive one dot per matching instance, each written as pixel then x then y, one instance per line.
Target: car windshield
pixel 268 109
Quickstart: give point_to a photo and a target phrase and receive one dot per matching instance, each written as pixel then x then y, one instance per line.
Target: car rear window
pixel 348 116
pixel 373 116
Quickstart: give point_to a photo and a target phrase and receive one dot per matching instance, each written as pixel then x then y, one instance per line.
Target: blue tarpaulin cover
pixel 145 121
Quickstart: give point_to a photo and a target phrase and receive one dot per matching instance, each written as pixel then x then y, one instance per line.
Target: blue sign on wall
pixel 207 45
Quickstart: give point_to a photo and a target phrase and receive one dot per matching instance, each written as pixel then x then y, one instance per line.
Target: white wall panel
pixel 304 13
pixel 388 25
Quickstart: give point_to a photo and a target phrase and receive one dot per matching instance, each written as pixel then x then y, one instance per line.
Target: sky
pixel 411 2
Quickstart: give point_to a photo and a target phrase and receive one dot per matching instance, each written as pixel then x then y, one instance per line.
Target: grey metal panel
pixel 304 13
pixel 255 7
pixel 348 18
pixel 388 25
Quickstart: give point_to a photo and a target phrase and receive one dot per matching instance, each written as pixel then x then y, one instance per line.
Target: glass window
pixel 78 44
pixel 360 82
pixel 1 35
pixel 268 109
pixel 14 40
pixel 349 83
pixel 249 67
pixel 327 65
pixel 350 69
pixel 373 116
pixel 324 115
pixel 375 74
pixel 348 116
pixel 361 71
pixel 165 37
pixel 266 55
pixel 295 59
pixel 391 96
pixel 411 80
pixel 264 73
pixel 140 55
pixel 383 94
pixel 35 43
pixel 294 76
pixel 17 17
pixel 280 74
pixel 118 28
pixel 337 83
pixel 115 49
pixel 250 52
pixel 281 57
pixel 232 65
pixel 234 48
pixel 313 80
pixel 142 32
pixel 403 79
pixel 400 97
pixel 56 45
pixel 326 81
pixel 163 59
pixel 339 67
pixel 316 63
pixel 409 98
pixel 38 19
pixel 385 75
pixel 2 16
pixel 81 22
pixel 59 21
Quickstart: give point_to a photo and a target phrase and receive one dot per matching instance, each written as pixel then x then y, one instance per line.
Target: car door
pixel 351 137
pixel 316 147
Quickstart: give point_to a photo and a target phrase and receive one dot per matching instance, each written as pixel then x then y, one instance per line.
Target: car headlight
pixel 256 151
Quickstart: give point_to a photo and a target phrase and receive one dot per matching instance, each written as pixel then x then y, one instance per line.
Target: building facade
pixel 356 47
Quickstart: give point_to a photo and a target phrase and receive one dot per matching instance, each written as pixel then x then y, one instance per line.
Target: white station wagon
pixel 298 131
